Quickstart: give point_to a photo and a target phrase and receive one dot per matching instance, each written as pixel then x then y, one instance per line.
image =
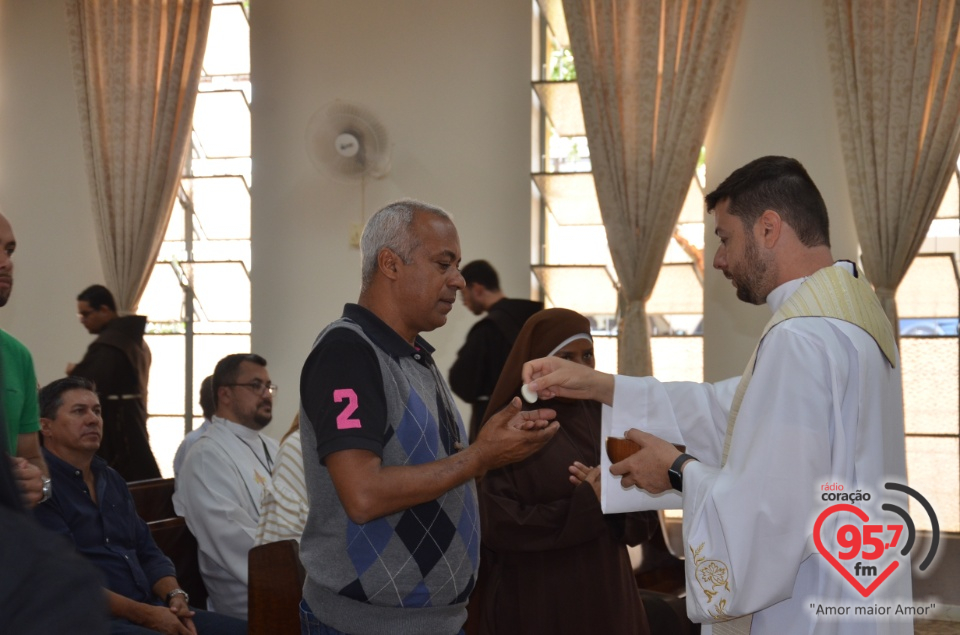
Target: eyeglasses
pixel 258 387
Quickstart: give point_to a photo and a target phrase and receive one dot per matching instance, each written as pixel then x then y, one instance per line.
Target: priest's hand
pixel 647 468
pixel 551 377
pixel 580 473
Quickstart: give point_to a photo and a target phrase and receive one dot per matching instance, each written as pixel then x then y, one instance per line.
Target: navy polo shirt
pixel 109 533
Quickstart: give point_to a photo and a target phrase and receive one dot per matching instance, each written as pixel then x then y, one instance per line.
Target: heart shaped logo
pixel 862 515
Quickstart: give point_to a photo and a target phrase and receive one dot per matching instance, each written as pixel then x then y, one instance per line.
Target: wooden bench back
pixel 153 498
pixel 275 588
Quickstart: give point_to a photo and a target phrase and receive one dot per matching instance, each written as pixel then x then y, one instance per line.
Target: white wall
pixel 450 81
pixel 43 185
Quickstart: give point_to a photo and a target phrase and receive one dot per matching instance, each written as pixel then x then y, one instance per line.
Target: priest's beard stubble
pixel 753 279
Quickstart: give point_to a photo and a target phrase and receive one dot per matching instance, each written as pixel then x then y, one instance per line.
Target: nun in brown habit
pixel 552 561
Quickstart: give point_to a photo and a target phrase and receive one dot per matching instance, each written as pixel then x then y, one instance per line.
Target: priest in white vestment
pixel 819 406
pixel 224 475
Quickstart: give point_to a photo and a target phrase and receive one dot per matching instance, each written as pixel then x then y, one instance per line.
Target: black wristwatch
pixel 676 471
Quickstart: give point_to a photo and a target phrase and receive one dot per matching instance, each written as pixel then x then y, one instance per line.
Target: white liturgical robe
pixel 219 490
pixel 823 406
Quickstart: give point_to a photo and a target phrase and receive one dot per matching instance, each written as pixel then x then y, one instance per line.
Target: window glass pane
pixel 930 384
pixel 165 395
pixel 561 102
pixel 228 42
pixel 235 250
pixel 202 166
pixel 166 433
pixel 676 253
pixel 692 211
pixel 932 468
pixel 162 300
pixel 210 349
pixel 678 290
pixel 929 289
pixel 575 244
pixel 175 226
pixel 553 11
pixel 571 198
pixel 950 206
pixel 566 155
pixel 171 250
pixel 588 290
pixel 692 233
pixel 221 121
pixel 222 290
pixel 222 206
pixel 220 328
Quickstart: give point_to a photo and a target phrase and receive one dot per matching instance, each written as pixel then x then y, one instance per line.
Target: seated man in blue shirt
pixel 92 507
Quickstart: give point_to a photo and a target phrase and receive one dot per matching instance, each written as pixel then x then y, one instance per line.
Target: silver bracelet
pixel 178 591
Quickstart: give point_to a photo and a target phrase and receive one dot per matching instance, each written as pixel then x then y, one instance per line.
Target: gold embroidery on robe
pixel 713 577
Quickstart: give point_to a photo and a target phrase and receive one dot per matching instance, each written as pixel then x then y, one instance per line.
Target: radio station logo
pixel 866 550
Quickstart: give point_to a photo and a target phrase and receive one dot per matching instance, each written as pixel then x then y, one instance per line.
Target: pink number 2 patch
pixel 344 421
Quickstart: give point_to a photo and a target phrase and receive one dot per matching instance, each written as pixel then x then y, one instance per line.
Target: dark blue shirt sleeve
pixel 342 394
pixel 153 561
pixel 50 515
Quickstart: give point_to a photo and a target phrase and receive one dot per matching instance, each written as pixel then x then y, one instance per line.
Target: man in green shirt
pixel 19 394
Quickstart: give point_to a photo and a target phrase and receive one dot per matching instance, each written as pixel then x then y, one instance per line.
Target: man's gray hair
pixel 390 229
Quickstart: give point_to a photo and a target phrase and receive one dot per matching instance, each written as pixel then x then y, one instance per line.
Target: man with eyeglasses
pixel 221 483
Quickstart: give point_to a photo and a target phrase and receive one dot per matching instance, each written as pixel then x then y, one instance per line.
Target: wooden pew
pixel 274 589
pixel 153 498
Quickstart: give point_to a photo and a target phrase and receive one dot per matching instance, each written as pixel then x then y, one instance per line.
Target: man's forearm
pixel 28 447
pixel 369 490
pixel 164 585
pixel 125 608
pixel 160 619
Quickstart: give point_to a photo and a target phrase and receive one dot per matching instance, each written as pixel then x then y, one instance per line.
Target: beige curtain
pixel 897 92
pixel 648 73
pixel 136 69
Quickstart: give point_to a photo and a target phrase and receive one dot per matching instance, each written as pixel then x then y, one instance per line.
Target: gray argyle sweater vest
pixel 410 572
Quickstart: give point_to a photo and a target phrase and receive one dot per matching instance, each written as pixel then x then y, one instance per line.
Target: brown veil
pixel 541 334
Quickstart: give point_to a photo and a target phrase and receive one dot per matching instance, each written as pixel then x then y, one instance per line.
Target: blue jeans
pixel 207 623
pixel 310 625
